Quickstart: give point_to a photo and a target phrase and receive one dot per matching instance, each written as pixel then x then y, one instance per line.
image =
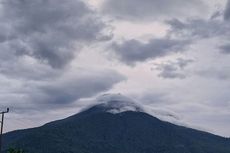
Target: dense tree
pixel 13 150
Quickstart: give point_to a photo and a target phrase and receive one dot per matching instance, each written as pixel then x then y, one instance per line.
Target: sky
pixel 171 56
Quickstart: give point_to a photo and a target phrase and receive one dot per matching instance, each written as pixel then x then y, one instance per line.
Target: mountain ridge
pixel 98 130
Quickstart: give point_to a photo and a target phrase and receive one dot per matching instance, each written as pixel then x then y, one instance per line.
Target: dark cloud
pixel 61 91
pixel 182 63
pixel 132 51
pixel 225 49
pixel 170 72
pixel 173 69
pixel 227 11
pixel 196 29
pixel 27 68
pixel 51 31
pixel 151 9
pixel 200 29
pixel 80 86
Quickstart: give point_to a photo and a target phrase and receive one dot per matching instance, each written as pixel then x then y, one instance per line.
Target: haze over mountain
pixel 115 125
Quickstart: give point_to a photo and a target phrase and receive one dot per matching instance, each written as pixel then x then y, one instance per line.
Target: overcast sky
pixel 169 55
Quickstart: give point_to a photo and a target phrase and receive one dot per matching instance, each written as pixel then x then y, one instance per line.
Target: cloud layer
pixel 227 11
pixel 151 9
pixel 173 69
pixel 50 31
pixel 132 51
pixel 61 91
pixel 172 54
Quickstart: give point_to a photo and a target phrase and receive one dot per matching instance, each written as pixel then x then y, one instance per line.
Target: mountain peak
pixel 126 133
pixel 117 103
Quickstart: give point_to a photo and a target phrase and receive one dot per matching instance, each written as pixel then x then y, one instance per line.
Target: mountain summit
pixel 117 103
pixel 115 125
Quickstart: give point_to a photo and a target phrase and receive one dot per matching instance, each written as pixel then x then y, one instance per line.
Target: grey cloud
pixel 132 51
pixel 173 70
pixel 61 91
pixel 198 28
pixel 155 103
pixel 152 97
pixel 169 72
pixel 217 14
pixel 215 72
pixel 151 9
pixel 80 86
pixel 227 11
pixel 51 31
pixel 182 63
pixel 225 49
pixel 27 68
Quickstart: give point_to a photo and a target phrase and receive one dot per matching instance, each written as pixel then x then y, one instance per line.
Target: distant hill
pixel 117 126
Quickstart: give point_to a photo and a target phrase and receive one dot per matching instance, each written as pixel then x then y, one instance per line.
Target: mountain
pixel 115 125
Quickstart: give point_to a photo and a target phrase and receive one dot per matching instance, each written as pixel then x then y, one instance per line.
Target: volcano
pixel 115 125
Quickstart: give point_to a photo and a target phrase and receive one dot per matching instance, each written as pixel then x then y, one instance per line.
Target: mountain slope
pixel 97 130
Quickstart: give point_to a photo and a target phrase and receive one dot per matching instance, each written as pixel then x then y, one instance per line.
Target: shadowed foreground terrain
pixel 96 130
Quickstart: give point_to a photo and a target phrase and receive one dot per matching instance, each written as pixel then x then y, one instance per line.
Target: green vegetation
pixel 95 131
pixel 13 150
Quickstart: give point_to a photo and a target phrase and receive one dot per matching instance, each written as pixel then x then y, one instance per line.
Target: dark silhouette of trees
pixel 13 150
